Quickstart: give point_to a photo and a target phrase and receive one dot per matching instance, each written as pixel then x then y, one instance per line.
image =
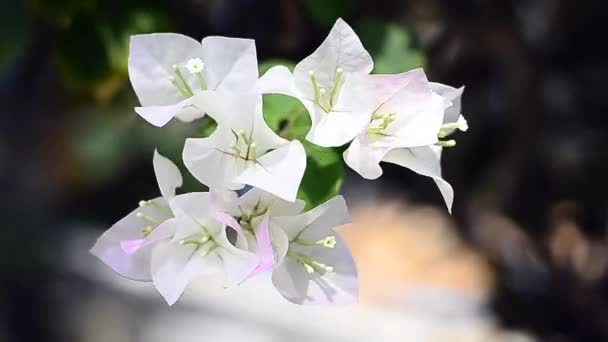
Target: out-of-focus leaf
pixel 81 56
pixel 325 12
pixel 391 46
pixel 15 28
pixel 108 139
pixel 62 12
pixel 92 53
pixel 323 176
pixel 286 116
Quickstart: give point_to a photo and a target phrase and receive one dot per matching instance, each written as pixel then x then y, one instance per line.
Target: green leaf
pixel 286 116
pixel 269 63
pixel 62 12
pixel 325 12
pixel 323 176
pixel 15 30
pixel 391 46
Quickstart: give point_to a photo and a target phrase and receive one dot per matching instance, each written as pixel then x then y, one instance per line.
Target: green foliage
pixel 324 174
pixel 391 46
pixel 269 63
pixel 92 52
pixel 105 145
pixel 15 30
pixel 325 12
pixel 62 12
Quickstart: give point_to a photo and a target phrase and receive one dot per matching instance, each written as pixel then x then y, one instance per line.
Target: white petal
pixel 276 206
pixel 174 266
pixel 108 247
pixel 280 242
pixel 163 231
pixel 237 264
pixel 212 163
pixel 349 117
pixel 337 287
pixel 337 128
pixel 161 115
pixel 193 206
pixel 190 112
pixel 317 223
pixel 453 97
pixel 167 175
pixel 151 57
pixel 264 249
pixel 341 49
pixel 297 285
pixel 292 281
pixel 415 128
pixel 277 80
pixel 239 111
pixel 365 158
pixel 426 161
pixel 278 172
pixel 230 63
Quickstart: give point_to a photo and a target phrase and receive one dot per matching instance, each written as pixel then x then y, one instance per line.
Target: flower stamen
pixel 328 242
pixel 381 122
pixel 147 218
pixel 446 143
pixel 310 265
pixel 180 82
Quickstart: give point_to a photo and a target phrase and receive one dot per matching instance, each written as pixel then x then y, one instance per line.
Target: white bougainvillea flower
pixel 318 267
pixel 332 85
pixel 199 247
pixel 253 214
pixel 167 70
pixel 405 128
pixel 243 150
pixel 126 247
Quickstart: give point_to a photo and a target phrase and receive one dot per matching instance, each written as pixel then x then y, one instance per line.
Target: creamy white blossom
pixel 311 264
pixel 318 267
pixel 405 126
pixel 126 247
pixel 168 70
pixel 199 247
pixel 243 150
pixel 332 85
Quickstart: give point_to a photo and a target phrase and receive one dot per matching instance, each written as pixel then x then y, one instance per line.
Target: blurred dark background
pixel 531 175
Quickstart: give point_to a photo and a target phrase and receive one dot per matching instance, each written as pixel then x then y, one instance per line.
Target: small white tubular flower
pixel 332 85
pixel 199 247
pixel 167 70
pixel 195 65
pixel 243 150
pixel 318 267
pixel 126 247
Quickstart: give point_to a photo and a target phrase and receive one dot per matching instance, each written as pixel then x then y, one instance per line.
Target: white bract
pixel 243 150
pixel 405 127
pixel 168 70
pixel 170 240
pixel 126 247
pixel 199 247
pixel 318 267
pixel 311 264
pixel 331 83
